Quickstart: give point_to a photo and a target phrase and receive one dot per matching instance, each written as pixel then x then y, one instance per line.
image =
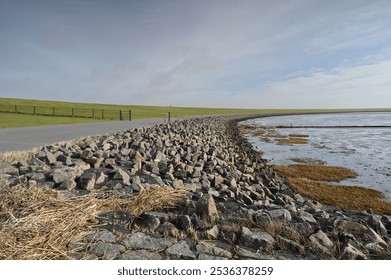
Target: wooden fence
pixel 68 112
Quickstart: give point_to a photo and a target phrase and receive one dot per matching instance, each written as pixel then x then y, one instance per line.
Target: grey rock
pixel 145 241
pixel 61 175
pixel 262 219
pixel 122 218
pixel 245 253
pixel 122 175
pixel 375 248
pixel 196 173
pixel 283 255
pixel 205 184
pixel 49 158
pixel 159 156
pixel 257 239
pixel 67 185
pixel 140 255
pixel 64 159
pixel 210 257
pixel 214 248
pixel 256 195
pixel 321 242
pixel 180 250
pixel 247 199
pixel 302 216
pixel 386 220
pixel 361 232
pixel 96 162
pixel 87 182
pixel 168 229
pixel 350 251
pixel 280 214
pixel 217 180
pixel 147 221
pixel 101 178
pixel 107 251
pixel 299 198
pixel 206 207
pixel 290 245
pixel 211 233
pixel 102 235
pixel 376 223
pixel 181 174
pixel 184 223
pixel 7 168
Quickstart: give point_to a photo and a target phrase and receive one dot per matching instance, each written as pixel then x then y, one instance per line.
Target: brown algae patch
pixel 316 172
pixel 292 141
pixel 348 197
pixel 309 180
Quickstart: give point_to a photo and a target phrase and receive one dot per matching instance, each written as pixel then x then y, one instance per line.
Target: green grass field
pixel 8 120
pixel 92 112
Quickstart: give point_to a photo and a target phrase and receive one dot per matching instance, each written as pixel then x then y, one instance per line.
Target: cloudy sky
pixel 209 53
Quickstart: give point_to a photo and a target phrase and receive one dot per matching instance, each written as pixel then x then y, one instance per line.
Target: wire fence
pixel 68 112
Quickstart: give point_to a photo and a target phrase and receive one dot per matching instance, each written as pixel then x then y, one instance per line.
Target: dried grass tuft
pixel 39 223
pixel 18 155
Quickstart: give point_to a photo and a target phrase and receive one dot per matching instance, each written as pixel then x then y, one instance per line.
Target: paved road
pixel 25 138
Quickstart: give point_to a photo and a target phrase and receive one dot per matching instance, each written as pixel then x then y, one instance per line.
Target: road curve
pixel 26 138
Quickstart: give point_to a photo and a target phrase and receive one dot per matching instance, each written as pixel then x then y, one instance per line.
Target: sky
pixel 204 53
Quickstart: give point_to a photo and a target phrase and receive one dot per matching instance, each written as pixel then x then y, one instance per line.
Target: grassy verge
pixel 111 112
pixel 9 120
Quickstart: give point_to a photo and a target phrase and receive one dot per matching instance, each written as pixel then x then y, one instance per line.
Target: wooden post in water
pixel 103 116
pixel 169 116
pixel 120 115
pixel 130 115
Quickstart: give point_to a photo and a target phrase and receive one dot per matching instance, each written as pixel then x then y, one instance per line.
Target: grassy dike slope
pixel 8 120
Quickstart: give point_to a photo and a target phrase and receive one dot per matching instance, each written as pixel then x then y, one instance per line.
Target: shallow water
pixel 364 150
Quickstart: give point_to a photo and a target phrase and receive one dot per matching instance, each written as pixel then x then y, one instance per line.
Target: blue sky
pixel 222 53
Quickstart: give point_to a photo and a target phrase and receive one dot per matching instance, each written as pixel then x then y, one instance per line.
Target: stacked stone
pixel 237 207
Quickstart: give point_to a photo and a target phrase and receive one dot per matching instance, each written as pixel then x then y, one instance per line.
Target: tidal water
pixel 364 150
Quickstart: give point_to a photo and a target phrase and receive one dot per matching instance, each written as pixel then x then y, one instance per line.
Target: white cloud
pixel 363 86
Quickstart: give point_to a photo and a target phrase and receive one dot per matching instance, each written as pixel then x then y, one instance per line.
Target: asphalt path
pixel 26 138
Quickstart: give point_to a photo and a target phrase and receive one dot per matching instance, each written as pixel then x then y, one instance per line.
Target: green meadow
pixel 93 112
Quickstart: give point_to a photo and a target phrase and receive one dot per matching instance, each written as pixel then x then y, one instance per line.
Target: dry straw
pixel 40 223
pixel 18 155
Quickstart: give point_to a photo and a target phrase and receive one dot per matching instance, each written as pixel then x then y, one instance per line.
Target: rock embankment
pixel 236 206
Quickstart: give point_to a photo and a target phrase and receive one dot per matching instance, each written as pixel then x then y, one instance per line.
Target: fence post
pixel 54 111
pixel 169 116
pixel 73 113
pixel 130 115
pixel 103 116
pixel 120 115
pixel 93 113
pixel 34 109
